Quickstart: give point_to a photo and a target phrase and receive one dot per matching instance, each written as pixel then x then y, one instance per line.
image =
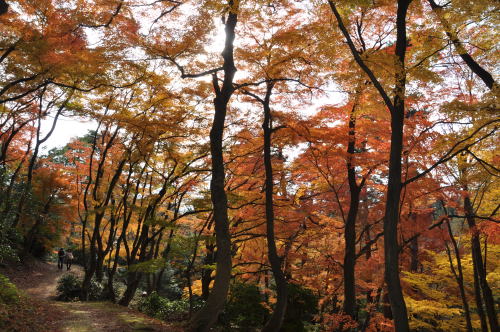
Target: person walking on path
pixel 60 260
pixel 69 259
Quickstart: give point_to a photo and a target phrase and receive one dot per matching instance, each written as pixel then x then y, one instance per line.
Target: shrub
pixel 8 291
pixel 169 285
pixel 69 287
pixel 159 307
pixel 301 308
pixel 96 291
pixel 176 310
pixel 9 241
pixel 244 308
pixel 112 294
pixel 7 253
pixel 152 304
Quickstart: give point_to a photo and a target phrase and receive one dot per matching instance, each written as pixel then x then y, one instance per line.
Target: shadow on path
pixel 39 280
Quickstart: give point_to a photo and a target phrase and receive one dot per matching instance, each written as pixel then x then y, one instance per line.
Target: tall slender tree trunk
pixel 276 320
pixel 391 220
pixel 479 299
pixel 393 197
pixel 386 305
pixel 350 224
pixel 458 273
pixel 92 267
pixel 112 272
pixel 206 273
pixel 414 254
pixel 4 6
pixel 477 262
pixel 204 319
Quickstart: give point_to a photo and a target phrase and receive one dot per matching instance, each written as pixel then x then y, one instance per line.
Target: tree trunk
pixel 391 219
pixel 370 313
pixel 477 262
pixel 386 305
pixel 206 274
pixel 112 272
pixel 397 109
pixel 31 236
pixel 458 273
pixel 350 225
pixel 92 267
pixel 99 272
pixel 4 6
pixel 479 300
pixel 207 316
pixel 132 283
pixel 97 255
pixel 276 320
pixel 414 254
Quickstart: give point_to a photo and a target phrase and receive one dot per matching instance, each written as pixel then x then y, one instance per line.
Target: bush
pixel 244 309
pixel 8 291
pixel 10 240
pixel 112 294
pixel 96 291
pixel 7 253
pixel 301 308
pixel 69 287
pixel 169 285
pixel 159 307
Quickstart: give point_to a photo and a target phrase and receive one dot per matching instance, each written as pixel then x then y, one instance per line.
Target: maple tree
pixel 333 163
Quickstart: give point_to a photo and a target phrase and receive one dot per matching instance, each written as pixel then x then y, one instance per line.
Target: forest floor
pixel 39 281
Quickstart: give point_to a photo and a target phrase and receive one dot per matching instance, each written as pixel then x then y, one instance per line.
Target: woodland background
pixel 276 164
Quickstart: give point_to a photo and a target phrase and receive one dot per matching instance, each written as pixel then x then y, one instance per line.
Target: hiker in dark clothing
pixel 60 261
pixel 69 260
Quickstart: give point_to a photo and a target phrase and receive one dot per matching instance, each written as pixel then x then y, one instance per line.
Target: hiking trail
pixel 39 281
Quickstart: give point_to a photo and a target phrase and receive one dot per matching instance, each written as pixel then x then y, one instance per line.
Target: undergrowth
pixel 17 312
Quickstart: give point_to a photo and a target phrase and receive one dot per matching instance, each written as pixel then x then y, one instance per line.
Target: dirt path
pixel 40 282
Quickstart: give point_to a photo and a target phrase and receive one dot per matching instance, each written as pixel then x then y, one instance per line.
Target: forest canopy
pixel 274 165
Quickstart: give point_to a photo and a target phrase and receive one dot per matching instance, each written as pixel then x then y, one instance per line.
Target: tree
pixel 4 6
pixel 397 109
pixel 482 73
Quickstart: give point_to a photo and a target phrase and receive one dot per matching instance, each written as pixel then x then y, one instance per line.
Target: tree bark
pixel 391 219
pixel 276 320
pixel 4 6
pixel 397 109
pixel 132 283
pixel 459 277
pixel 206 273
pixel 479 300
pixel 350 224
pixel 414 254
pixel 477 261
pixel 204 319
